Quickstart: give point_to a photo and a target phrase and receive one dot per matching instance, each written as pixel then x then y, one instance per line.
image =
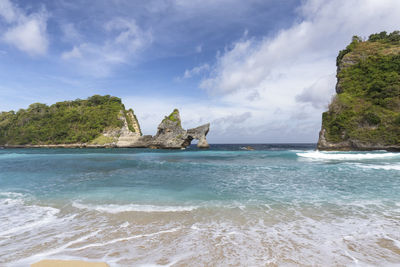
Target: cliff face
pixel 99 121
pixel 365 113
pixel 128 133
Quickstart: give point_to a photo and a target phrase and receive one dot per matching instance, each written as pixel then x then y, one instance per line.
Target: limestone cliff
pixel 129 132
pixel 365 113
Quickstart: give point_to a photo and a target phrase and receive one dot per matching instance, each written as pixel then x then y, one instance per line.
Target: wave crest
pixel 387 167
pixel 318 155
pixel 114 208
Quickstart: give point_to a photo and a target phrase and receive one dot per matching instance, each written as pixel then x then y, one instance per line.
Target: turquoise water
pixel 277 205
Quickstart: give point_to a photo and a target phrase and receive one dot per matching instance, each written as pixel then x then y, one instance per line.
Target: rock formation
pixel 125 136
pixel 365 113
pixel 99 121
pixel 170 134
pixel 200 133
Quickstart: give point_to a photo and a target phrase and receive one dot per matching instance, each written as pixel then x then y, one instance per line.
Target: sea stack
pixel 365 112
pixel 170 133
pixel 200 133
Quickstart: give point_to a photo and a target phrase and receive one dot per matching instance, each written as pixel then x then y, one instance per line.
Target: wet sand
pixel 68 263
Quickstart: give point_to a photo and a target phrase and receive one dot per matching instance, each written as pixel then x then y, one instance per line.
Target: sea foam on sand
pixel 113 208
pixel 68 263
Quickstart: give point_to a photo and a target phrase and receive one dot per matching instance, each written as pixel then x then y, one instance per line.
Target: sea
pixel 276 205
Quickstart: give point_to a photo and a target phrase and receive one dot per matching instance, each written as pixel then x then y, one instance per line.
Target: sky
pixel 260 71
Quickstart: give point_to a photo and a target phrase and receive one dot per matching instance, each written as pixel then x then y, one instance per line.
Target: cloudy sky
pixel 261 71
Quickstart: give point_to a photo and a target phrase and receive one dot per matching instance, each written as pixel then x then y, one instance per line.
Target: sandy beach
pixel 68 263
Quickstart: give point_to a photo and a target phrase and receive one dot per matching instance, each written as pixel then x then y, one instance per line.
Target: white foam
pixel 11 194
pixel 45 216
pixel 113 208
pixel 125 224
pixel 12 155
pixel 318 155
pixel 251 240
pixel 17 218
pixel 174 261
pixel 39 256
pixel 380 167
pixel 113 241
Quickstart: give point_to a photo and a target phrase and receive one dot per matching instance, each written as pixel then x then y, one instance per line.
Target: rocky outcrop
pixel 352 144
pixel 126 136
pixel 133 122
pixel 170 134
pixel 200 133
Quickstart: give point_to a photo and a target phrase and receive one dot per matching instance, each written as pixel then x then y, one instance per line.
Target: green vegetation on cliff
pixel 174 117
pixel 367 106
pixel 129 119
pixel 67 122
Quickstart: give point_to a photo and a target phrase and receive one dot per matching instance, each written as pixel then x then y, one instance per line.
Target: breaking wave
pixel 113 208
pixel 386 167
pixel 318 155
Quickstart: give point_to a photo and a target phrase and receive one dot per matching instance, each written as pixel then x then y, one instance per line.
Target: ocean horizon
pixel 279 204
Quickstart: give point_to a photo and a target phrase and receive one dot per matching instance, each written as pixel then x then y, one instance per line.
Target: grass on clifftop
pixel 368 105
pixel 174 116
pixel 67 122
pixel 102 140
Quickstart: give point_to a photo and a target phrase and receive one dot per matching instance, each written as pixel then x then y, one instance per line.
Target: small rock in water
pixel 247 148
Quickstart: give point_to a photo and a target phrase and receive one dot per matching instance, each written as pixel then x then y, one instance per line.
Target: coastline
pixel 75 146
pixel 358 149
pixel 352 145
pixel 319 147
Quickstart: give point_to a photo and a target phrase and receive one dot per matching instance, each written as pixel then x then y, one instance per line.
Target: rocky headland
pixel 99 121
pixel 365 112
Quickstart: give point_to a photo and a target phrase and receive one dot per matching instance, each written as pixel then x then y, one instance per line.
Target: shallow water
pixel 277 205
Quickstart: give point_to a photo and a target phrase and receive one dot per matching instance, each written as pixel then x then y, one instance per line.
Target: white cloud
pixel 8 11
pixel 229 123
pixel 26 32
pixel 194 112
pixel 196 71
pixel 130 36
pixel 124 40
pixel 318 93
pixel 70 32
pixel 74 53
pixel 287 80
pixel 28 36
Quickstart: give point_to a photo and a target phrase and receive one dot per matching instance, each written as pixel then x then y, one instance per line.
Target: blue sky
pixel 259 71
